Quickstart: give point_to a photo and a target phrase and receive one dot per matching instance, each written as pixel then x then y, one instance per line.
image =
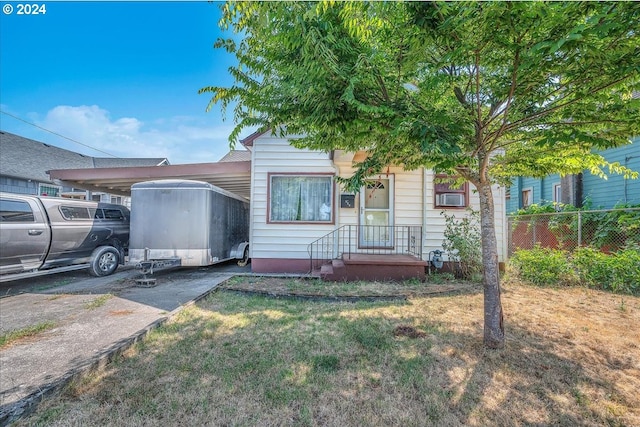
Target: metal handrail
pixel 380 239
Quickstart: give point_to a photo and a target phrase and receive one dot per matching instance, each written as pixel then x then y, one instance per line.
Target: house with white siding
pixel 301 219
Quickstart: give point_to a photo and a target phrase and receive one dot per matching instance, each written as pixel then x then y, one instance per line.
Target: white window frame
pixel 557 193
pixel 530 197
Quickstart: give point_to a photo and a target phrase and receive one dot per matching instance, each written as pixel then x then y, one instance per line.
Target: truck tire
pixel 104 261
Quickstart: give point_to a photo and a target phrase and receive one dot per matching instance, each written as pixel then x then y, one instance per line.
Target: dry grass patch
pixel 572 358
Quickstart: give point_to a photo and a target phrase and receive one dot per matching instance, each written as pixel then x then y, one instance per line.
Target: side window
pixel 527 197
pixel 15 211
pixel 113 214
pixel 75 212
pixel 447 195
pixel 99 214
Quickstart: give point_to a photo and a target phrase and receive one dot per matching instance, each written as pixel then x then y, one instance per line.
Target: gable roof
pixel 248 141
pixel 29 159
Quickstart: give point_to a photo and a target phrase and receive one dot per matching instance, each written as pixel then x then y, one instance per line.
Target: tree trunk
pixel 493 325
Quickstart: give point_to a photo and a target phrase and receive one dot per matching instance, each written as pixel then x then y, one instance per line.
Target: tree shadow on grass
pixel 250 360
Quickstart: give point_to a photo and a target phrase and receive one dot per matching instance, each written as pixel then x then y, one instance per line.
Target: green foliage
pixel 617 272
pixel 616 228
pixel 485 90
pixel 604 229
pixel 543 267
pixel 463 242
pixel 542 208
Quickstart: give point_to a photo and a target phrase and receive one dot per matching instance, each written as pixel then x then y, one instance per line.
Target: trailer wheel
pixel 104 262
pixel 245 257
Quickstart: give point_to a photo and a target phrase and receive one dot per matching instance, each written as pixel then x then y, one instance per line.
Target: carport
pixel 231 176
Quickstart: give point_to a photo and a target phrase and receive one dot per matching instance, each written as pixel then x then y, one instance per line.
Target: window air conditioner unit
pixel 451 199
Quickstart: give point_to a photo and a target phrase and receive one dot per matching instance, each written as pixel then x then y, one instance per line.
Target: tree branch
pixel 528 119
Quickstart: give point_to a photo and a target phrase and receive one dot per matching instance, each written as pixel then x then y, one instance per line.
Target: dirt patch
pixel 120 312
pixel 408 331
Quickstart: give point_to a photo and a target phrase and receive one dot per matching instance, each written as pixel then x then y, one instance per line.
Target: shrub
pixel 463 242
pixel 543 267
pixel 617 272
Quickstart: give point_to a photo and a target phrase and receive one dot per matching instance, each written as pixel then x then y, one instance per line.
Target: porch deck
pixel 374 267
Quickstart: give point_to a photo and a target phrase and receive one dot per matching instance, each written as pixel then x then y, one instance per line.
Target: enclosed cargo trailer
pixel 186 223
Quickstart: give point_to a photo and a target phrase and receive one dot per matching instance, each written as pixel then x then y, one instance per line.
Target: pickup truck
pixel 41 235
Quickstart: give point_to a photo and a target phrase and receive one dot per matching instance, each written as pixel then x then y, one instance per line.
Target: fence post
pixel 534 221
pixel 579 229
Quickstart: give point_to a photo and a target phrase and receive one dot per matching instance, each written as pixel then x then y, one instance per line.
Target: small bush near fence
pixel 617 272
pixel 543 267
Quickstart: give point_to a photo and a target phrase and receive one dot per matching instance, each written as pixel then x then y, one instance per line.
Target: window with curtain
pixel 303 198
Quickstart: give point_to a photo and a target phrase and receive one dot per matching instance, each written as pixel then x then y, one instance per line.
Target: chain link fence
pixel 605 230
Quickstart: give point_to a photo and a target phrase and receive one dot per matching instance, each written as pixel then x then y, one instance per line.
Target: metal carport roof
pixel 231 176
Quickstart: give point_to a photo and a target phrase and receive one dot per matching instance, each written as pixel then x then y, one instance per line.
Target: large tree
pixel 482 90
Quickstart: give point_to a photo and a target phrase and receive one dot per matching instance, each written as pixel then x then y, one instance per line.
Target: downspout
pixel 336 203
pixel 424 212
pixel 625 180
pixel 520 206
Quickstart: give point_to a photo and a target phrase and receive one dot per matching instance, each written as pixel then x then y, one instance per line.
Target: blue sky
pixel 121 77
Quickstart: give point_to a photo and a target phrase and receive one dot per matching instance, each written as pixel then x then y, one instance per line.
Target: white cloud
pixel 181 139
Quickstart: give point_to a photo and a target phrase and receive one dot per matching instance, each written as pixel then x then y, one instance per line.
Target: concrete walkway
pixel 88 321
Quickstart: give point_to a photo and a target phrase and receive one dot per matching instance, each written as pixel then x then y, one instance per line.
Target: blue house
pixel 576 189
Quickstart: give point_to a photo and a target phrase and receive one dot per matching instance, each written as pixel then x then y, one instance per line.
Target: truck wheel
pixel 104 262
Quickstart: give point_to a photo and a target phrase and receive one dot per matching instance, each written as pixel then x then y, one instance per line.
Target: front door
pixel 376 213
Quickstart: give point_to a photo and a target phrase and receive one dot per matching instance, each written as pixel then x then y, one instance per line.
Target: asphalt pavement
pixel 87 322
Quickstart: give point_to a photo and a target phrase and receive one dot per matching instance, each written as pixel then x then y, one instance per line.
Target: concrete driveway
pixel 88 321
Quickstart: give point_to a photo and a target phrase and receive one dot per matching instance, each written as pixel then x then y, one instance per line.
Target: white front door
pixel 376 213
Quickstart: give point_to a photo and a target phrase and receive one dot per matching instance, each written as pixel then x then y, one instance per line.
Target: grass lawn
pixel 572 358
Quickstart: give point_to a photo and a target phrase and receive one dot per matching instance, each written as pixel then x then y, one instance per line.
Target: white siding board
pixel 273 155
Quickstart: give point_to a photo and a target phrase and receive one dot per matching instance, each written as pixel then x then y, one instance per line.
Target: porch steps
pixel 373 267
pixel 335 271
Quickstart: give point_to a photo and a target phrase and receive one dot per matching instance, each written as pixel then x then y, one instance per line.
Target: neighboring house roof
pixel 236 156
pixel 29 159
